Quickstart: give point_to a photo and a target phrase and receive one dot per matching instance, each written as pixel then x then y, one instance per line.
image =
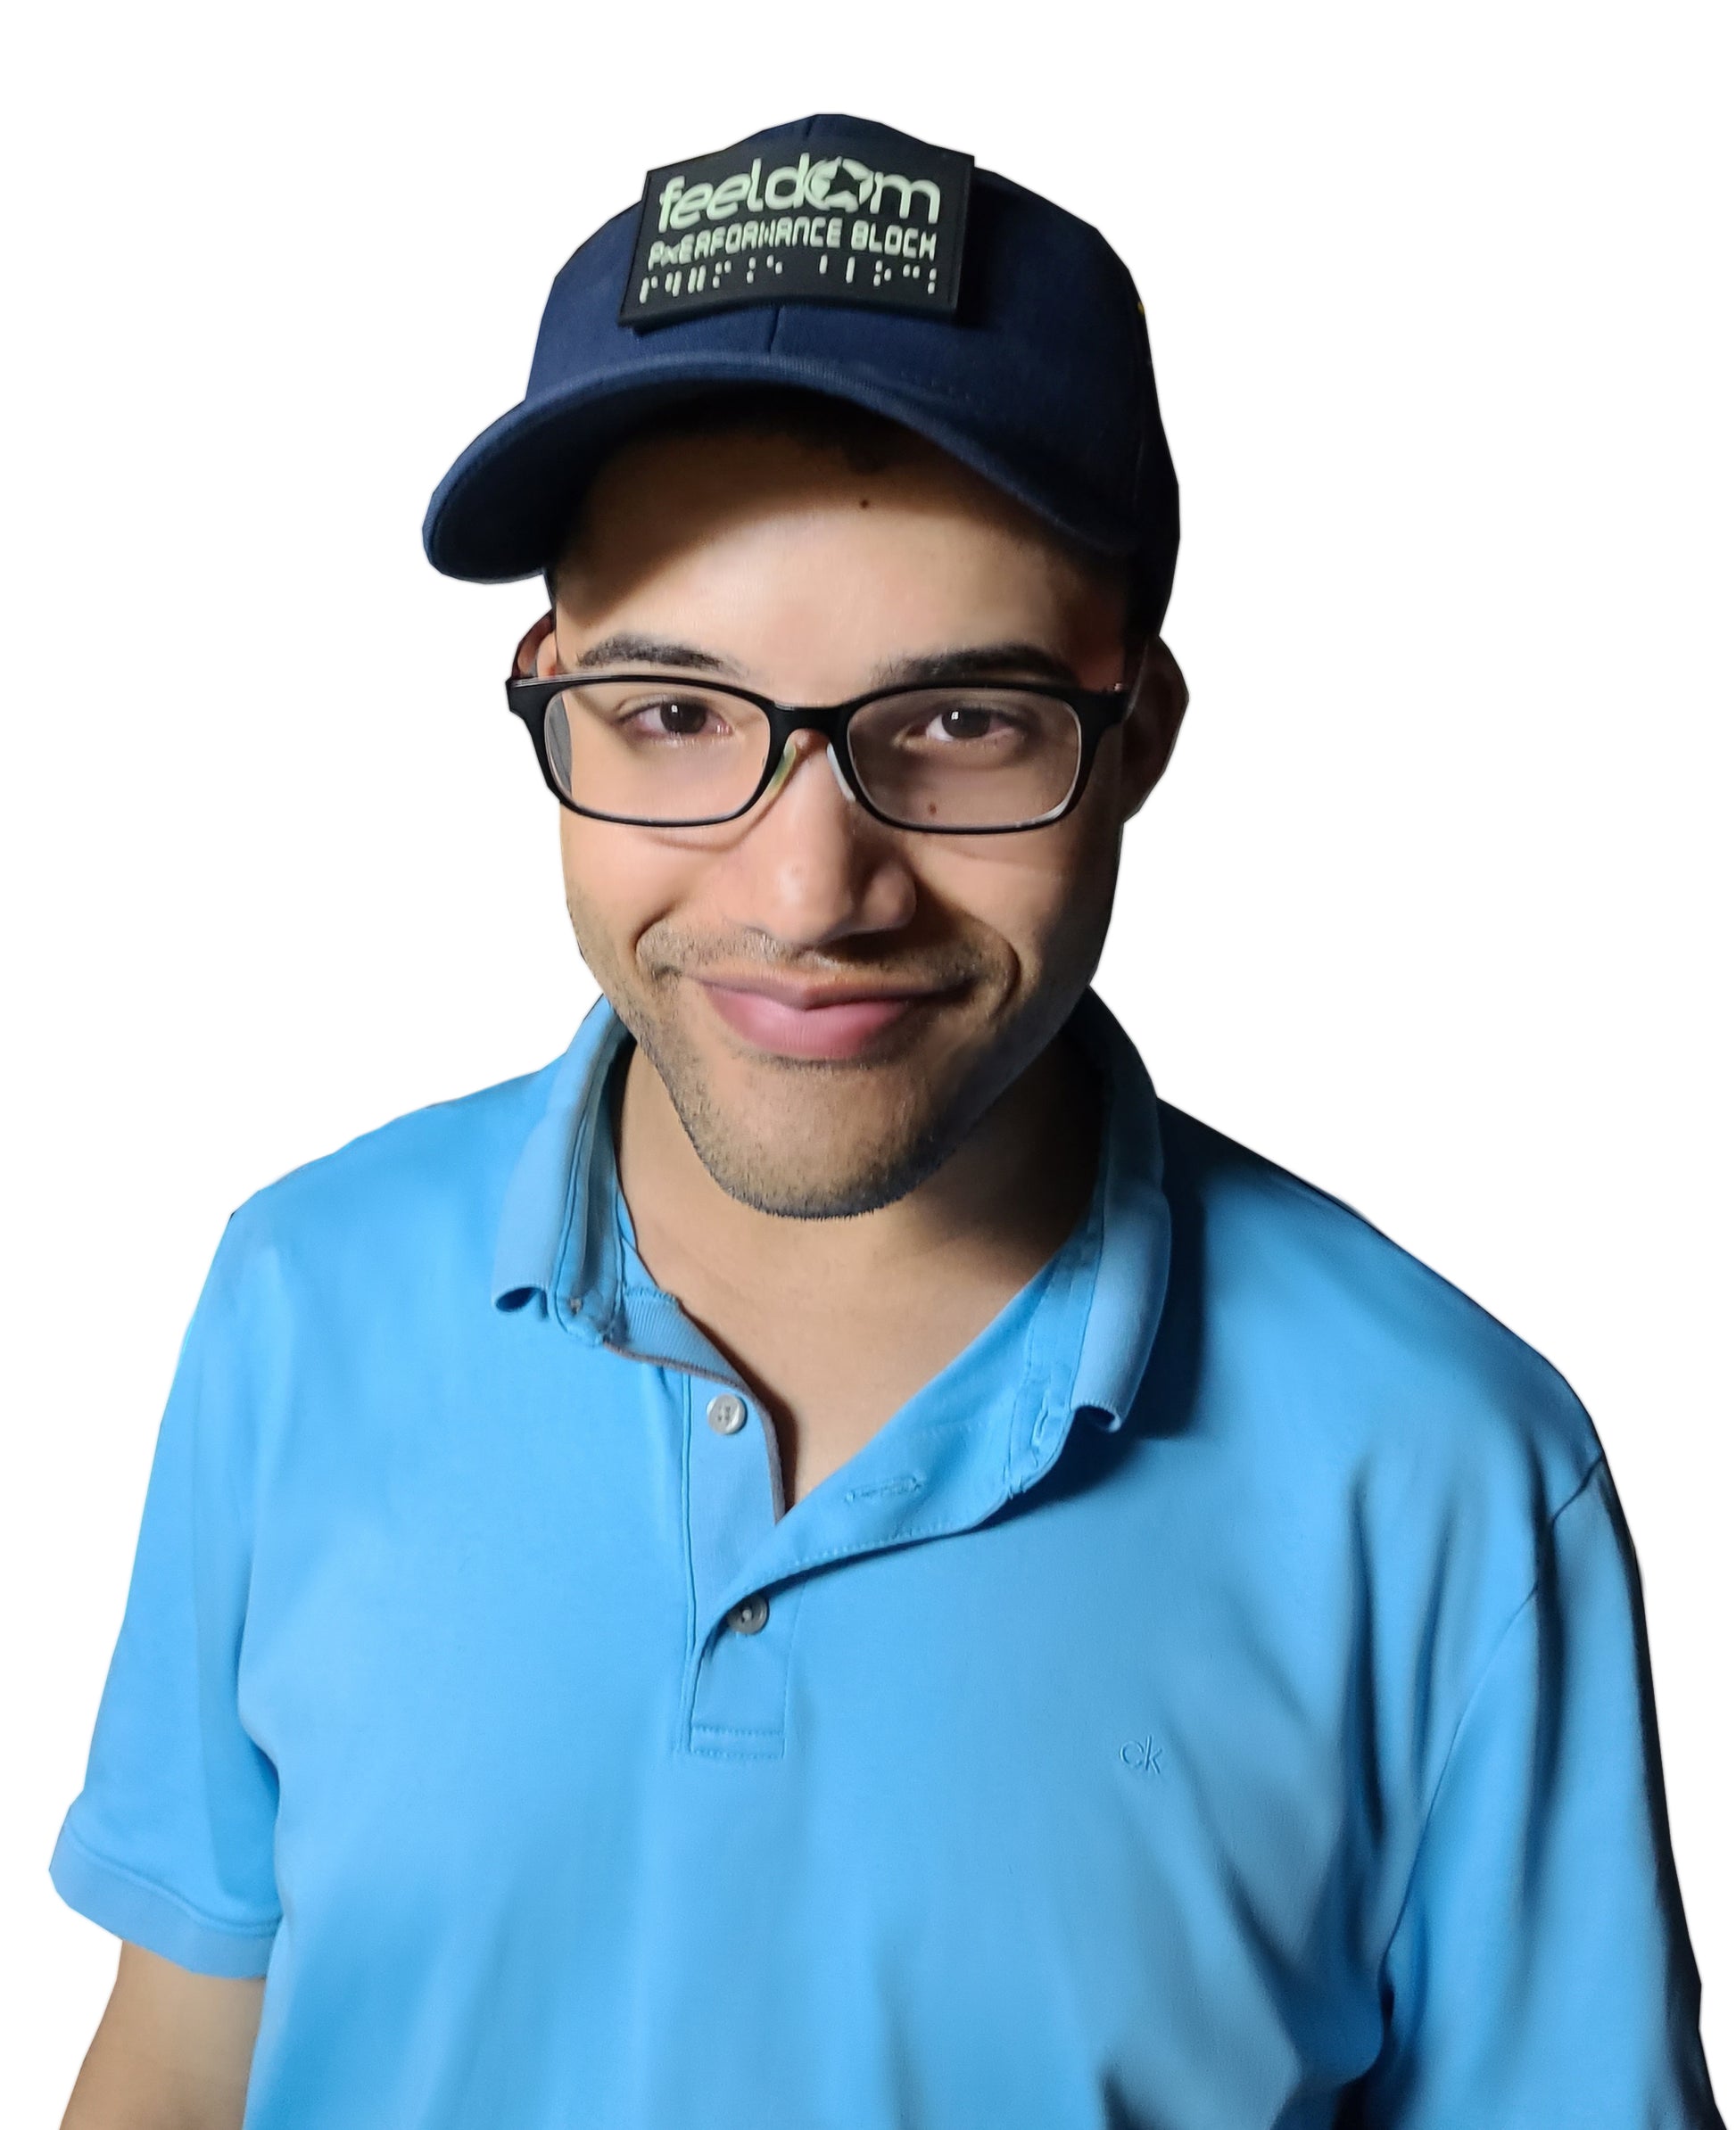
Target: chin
pixel 788 1192
pixel 823 1151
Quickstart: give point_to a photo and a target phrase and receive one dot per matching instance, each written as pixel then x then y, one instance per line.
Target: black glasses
pixel 970 758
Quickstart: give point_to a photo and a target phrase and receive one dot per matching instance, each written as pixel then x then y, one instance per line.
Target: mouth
pixel 832 1022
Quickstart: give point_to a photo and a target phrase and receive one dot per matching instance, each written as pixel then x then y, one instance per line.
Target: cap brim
pixel 504 507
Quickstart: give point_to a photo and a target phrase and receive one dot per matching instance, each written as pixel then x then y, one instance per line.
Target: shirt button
pixel 750 1616
pixel 727 1414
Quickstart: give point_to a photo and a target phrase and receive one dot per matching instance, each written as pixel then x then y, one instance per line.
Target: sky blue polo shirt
pixel 1218 1699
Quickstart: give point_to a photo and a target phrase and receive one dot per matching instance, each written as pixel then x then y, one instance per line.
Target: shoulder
pixel 1349 1357
pixel 1379 1461
pixel 423 1190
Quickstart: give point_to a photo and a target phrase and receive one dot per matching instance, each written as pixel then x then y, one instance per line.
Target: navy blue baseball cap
pixel 836 256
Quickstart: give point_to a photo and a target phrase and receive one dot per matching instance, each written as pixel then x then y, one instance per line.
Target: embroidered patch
pixel 820 227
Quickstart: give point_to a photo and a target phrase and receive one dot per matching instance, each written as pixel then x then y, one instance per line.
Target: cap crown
pixel 1041 380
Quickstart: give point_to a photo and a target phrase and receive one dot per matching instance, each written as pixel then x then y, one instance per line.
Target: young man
pixel 828 1560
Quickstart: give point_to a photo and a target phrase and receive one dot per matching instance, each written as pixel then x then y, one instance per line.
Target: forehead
pixel 743 508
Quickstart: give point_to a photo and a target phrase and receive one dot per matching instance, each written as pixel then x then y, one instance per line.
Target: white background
pixel 1435 907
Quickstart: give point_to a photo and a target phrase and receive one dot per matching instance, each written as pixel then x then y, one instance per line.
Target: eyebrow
pixel 977 662
pixel 630 649
pixel 973 662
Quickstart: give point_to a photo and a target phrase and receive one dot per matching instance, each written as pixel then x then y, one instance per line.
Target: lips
pixel 828 1022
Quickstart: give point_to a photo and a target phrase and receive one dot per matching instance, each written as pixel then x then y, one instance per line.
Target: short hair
pixel 868 442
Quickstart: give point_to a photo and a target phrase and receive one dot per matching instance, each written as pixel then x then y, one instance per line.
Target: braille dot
pixel 750 1616
pixel 727 1414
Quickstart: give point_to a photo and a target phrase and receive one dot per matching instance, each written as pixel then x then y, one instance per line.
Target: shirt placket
pixel 737 1691
pixel 941 1466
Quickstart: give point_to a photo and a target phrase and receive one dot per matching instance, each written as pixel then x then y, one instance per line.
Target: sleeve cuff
pixel 132 1908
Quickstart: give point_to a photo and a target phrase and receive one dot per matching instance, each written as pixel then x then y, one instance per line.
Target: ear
pixel 1153 721
pixel 536 650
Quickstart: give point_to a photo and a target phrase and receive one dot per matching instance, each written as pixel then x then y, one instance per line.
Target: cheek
pixel 1046 893
pixel 619 882
pixel 624 876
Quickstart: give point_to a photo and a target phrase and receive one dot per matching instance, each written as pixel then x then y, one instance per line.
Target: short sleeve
pixel 170 1843
pixel 1540 1973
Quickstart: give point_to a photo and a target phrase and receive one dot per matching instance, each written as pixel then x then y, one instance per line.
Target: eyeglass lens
pixel 965 757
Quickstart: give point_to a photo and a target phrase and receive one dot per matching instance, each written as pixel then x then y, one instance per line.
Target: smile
pixel 827 1021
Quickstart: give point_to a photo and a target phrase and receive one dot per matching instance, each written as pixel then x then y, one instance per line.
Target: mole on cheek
pixel 864 502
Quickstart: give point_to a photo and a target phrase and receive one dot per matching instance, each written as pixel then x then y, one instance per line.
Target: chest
pixel 1047 1797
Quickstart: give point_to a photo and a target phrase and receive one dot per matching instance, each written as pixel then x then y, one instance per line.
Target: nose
pixel 811 867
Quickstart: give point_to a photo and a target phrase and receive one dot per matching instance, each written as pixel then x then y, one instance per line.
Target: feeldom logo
pixel 819 226
pixel 800 184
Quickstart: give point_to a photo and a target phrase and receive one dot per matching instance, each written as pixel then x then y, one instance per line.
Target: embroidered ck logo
pixel 1144 1756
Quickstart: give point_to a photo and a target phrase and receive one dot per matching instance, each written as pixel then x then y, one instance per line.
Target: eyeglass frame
pixel 1097 711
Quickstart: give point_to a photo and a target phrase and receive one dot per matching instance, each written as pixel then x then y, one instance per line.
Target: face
pixel 831 1003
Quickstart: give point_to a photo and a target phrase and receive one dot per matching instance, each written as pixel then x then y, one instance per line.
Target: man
pixel 827 1559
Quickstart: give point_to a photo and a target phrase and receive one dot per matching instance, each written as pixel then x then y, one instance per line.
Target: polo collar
pixel 562 1243
pixel 553 1247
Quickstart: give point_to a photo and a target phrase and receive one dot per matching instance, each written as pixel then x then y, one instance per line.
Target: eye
pixel 673 717
pixel 969 720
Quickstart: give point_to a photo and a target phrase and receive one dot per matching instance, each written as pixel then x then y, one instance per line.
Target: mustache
pixel 666 950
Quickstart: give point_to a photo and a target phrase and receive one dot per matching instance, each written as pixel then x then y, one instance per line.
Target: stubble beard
pixel 805 1170
pixel 839 1139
